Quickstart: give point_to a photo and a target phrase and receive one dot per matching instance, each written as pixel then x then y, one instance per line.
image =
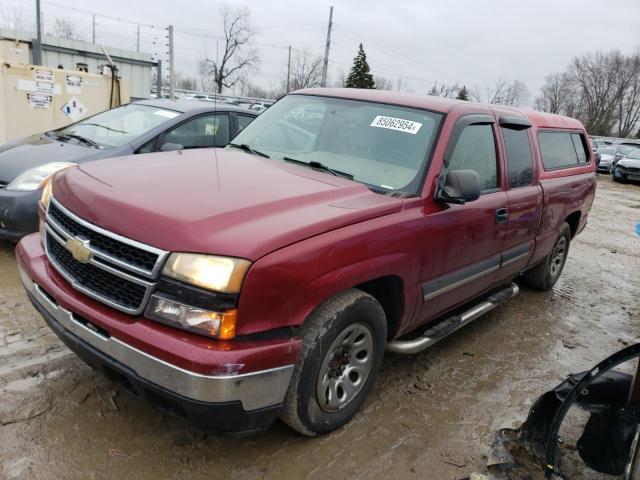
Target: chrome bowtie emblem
pixel 79 249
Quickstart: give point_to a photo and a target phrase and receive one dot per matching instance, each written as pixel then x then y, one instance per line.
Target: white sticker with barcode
pixel 398 124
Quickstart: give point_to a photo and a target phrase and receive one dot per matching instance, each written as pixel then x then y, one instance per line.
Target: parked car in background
pixel 609 155
pixel 259 107
pixel 621 151
pixel 628 168
pixel 338 224
pixel 140 127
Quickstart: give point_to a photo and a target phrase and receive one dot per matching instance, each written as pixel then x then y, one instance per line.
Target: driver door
pixel 463 242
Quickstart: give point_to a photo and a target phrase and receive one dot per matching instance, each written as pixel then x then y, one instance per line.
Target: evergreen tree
pixel 463 94
pixel 359 76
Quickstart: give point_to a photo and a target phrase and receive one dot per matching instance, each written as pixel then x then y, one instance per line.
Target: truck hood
pixel 21 155
pixel 217 201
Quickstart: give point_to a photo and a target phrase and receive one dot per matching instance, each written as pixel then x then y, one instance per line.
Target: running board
pixel 452 324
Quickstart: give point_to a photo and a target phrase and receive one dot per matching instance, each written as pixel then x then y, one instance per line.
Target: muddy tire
pixel 343 345
pixel 545 275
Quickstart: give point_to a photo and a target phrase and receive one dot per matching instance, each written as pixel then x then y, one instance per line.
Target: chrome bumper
pixel 255 390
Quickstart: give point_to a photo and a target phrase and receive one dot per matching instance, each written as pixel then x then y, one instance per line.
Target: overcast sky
pixel 472 42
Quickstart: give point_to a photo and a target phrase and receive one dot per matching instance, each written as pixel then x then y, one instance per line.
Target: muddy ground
pixel 430 416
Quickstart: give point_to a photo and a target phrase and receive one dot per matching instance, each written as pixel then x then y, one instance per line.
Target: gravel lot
pixel 430 416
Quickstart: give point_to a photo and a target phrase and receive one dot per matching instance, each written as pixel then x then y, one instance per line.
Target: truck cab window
pixel 578 143
pixel 519 159
pixel 561 150
pixel 476 150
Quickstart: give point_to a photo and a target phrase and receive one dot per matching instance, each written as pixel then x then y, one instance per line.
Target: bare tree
pixel 63 28
pixel 15 18
pixel 306 70
pixel 504 92
pixel 234 62
pixel 185 82
pixel 383 83
pixel 443 90
pixel 628 111
pixel 558 94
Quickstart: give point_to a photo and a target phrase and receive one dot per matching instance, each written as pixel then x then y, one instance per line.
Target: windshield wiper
pixel 319 166
pixel 82 139
pixel 248 149
pixel 105 127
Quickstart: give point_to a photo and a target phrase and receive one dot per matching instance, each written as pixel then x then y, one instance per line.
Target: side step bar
pixel 448 326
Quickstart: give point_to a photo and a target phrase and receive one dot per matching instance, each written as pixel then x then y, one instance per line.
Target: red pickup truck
pixel 235 286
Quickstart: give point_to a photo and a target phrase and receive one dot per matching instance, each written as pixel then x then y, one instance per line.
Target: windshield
pixel 635 154
pixel 605 150
pixel 121 125
pixel 625 150
pixel 383 146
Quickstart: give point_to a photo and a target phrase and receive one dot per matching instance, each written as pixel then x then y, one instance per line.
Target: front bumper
pixel 18 214
pixel 234 402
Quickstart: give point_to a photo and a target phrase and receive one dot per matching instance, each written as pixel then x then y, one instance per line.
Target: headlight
pixel 221 274
pixel 34 179
pixel 221 325
pixel 45 198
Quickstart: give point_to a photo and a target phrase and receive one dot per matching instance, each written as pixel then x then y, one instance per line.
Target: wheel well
pixel 388 291
pixel 573 220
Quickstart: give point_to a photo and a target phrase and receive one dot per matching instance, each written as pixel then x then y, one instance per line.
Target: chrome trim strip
pixel 459 283
pixel 90 293
pixel 162 254
pixel 255 390
pixel 515 259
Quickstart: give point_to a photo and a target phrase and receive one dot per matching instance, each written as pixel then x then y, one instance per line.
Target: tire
pixel 545 275
pixel 618 177
pixel 338 331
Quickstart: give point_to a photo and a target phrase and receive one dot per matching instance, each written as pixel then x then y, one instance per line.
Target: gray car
pixel 140 127
pixel 628 167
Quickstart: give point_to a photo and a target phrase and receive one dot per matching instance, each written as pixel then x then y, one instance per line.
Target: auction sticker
pixel 39 100
pixel 398 124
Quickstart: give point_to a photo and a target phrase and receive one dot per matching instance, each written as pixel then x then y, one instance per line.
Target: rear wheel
pixel 545 275
pixel 342 350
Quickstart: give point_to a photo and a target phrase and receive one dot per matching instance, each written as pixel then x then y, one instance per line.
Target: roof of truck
pixel 441 104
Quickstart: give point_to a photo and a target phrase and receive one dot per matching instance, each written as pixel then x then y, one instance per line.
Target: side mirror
pixel 170 147
pixel 460 186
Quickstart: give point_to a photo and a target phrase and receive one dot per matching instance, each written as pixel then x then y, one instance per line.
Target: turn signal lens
pixel 214 324
pixel 45 198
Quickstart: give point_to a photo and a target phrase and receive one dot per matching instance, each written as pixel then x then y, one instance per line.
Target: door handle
pixel 502 215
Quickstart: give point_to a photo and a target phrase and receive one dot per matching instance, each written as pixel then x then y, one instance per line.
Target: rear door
pixel 464 244
pixel 524 195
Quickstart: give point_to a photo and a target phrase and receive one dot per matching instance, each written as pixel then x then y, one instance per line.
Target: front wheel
pixel 545 275
pixel 618 176
pixel 343 346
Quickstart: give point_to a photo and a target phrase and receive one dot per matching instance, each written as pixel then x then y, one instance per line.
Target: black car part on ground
pixel 613 400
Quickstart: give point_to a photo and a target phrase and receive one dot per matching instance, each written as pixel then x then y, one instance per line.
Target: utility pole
pixel 93 29
pixel 325 64
pixel 37 52
pixel 159 79
pixel 172 76
pixel 289 70
pixel 138 42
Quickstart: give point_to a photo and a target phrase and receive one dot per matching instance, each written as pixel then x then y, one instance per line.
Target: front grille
pixel 117 271
pixel 111 287
pixel 118 250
